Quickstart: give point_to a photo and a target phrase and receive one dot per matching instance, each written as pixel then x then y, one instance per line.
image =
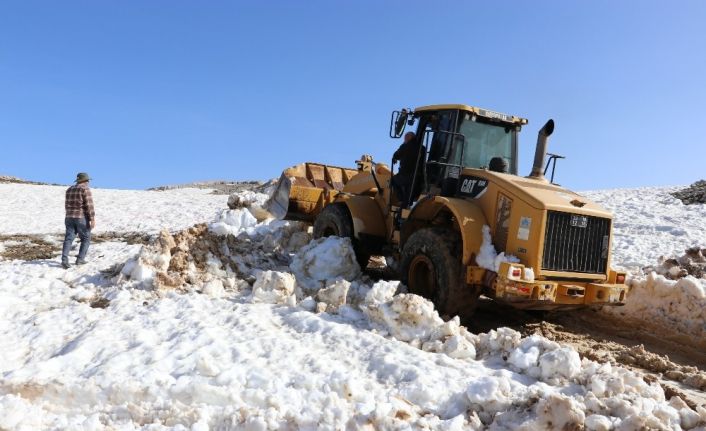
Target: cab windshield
pixel 486 140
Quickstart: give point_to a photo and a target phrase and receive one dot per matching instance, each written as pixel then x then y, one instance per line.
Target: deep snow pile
pixel 193 360
pixel 255 327
pixel 653 226
pixel 678 306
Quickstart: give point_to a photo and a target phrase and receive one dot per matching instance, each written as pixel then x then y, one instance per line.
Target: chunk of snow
pixel 559 412
pixel 598 423
pixel 274 287
pixel 563 362
pixel 233 222
pixel 324 259
pixel 488 257
pixel 381 292
pixel 334 294
pixel 213 288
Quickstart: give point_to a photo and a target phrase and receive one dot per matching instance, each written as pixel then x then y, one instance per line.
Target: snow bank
pixel 649 224
pixel 488 257
pixel 677 306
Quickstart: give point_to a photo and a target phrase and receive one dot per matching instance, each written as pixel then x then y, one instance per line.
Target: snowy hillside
pixel 225 321
pixel 39 209
pixel 650 225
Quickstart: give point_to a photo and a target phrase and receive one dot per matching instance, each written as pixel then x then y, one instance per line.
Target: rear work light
pixel 620 279
pixel 516 272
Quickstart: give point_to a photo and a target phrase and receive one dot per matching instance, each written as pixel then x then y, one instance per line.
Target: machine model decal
pixel 579 221
pixel 524 230
pixel 472 187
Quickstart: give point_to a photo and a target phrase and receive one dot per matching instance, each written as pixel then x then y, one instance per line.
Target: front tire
pixel 335 220
pixel 431 267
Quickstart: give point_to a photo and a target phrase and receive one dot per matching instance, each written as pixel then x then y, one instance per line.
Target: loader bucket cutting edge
pixel 278 203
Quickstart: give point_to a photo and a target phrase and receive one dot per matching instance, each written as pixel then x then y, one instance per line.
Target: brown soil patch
pixel 37 247
pixel 99 303
pixel 128 237
pixel 27 247
pixel 6 179
pixel 222 187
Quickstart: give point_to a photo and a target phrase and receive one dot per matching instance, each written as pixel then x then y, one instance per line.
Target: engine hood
pixel 542 195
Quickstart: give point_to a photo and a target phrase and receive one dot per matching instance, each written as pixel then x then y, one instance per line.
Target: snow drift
pixel 254 327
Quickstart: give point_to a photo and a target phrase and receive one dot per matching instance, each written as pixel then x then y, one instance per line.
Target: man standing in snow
pixel 80 219
pixel 408 153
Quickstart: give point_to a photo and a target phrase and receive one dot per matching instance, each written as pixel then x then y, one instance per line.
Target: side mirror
pixel 398 121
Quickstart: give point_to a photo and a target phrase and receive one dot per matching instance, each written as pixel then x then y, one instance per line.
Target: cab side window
pixel 437 132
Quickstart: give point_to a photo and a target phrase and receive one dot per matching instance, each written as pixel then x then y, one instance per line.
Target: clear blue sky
pixel 144 93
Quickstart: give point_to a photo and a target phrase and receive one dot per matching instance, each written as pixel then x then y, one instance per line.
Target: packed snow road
pixel 229 321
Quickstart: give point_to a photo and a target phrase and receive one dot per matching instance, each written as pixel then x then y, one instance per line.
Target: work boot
pixel 80 262
pixel 65 265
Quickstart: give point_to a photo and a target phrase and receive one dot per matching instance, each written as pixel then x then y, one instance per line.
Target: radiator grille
pixel 576 243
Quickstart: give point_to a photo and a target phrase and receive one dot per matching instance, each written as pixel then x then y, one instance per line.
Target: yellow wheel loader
pixel 553 244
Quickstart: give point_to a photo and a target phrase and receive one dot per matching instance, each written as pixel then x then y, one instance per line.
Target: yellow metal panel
pixel 570 294
pixel 612 294
pixel 366 215
pixel 468 215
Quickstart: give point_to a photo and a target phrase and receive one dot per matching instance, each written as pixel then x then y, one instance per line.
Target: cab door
pixel 445 149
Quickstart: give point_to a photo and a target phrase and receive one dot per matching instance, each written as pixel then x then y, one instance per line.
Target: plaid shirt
pixel 79 202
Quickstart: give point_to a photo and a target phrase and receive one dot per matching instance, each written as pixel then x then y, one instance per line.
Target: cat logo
pixel 472 187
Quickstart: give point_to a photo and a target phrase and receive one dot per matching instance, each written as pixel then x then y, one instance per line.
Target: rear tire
pixel 431 267
pixel 335 220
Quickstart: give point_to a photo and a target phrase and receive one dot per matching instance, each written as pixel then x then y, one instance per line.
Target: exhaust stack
pixel 541 151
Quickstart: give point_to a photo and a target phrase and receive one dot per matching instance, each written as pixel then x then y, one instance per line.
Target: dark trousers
pixel 76 226
pixel 402 185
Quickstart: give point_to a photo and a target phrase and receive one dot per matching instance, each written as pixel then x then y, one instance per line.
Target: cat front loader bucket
pixel 304 189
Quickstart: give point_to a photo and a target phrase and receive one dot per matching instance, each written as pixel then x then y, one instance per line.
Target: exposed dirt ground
pixel 222 187
pixel 35 247
pixel 27 247
pixel 6 179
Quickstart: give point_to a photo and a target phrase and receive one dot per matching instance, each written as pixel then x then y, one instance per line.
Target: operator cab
pixel 460 136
